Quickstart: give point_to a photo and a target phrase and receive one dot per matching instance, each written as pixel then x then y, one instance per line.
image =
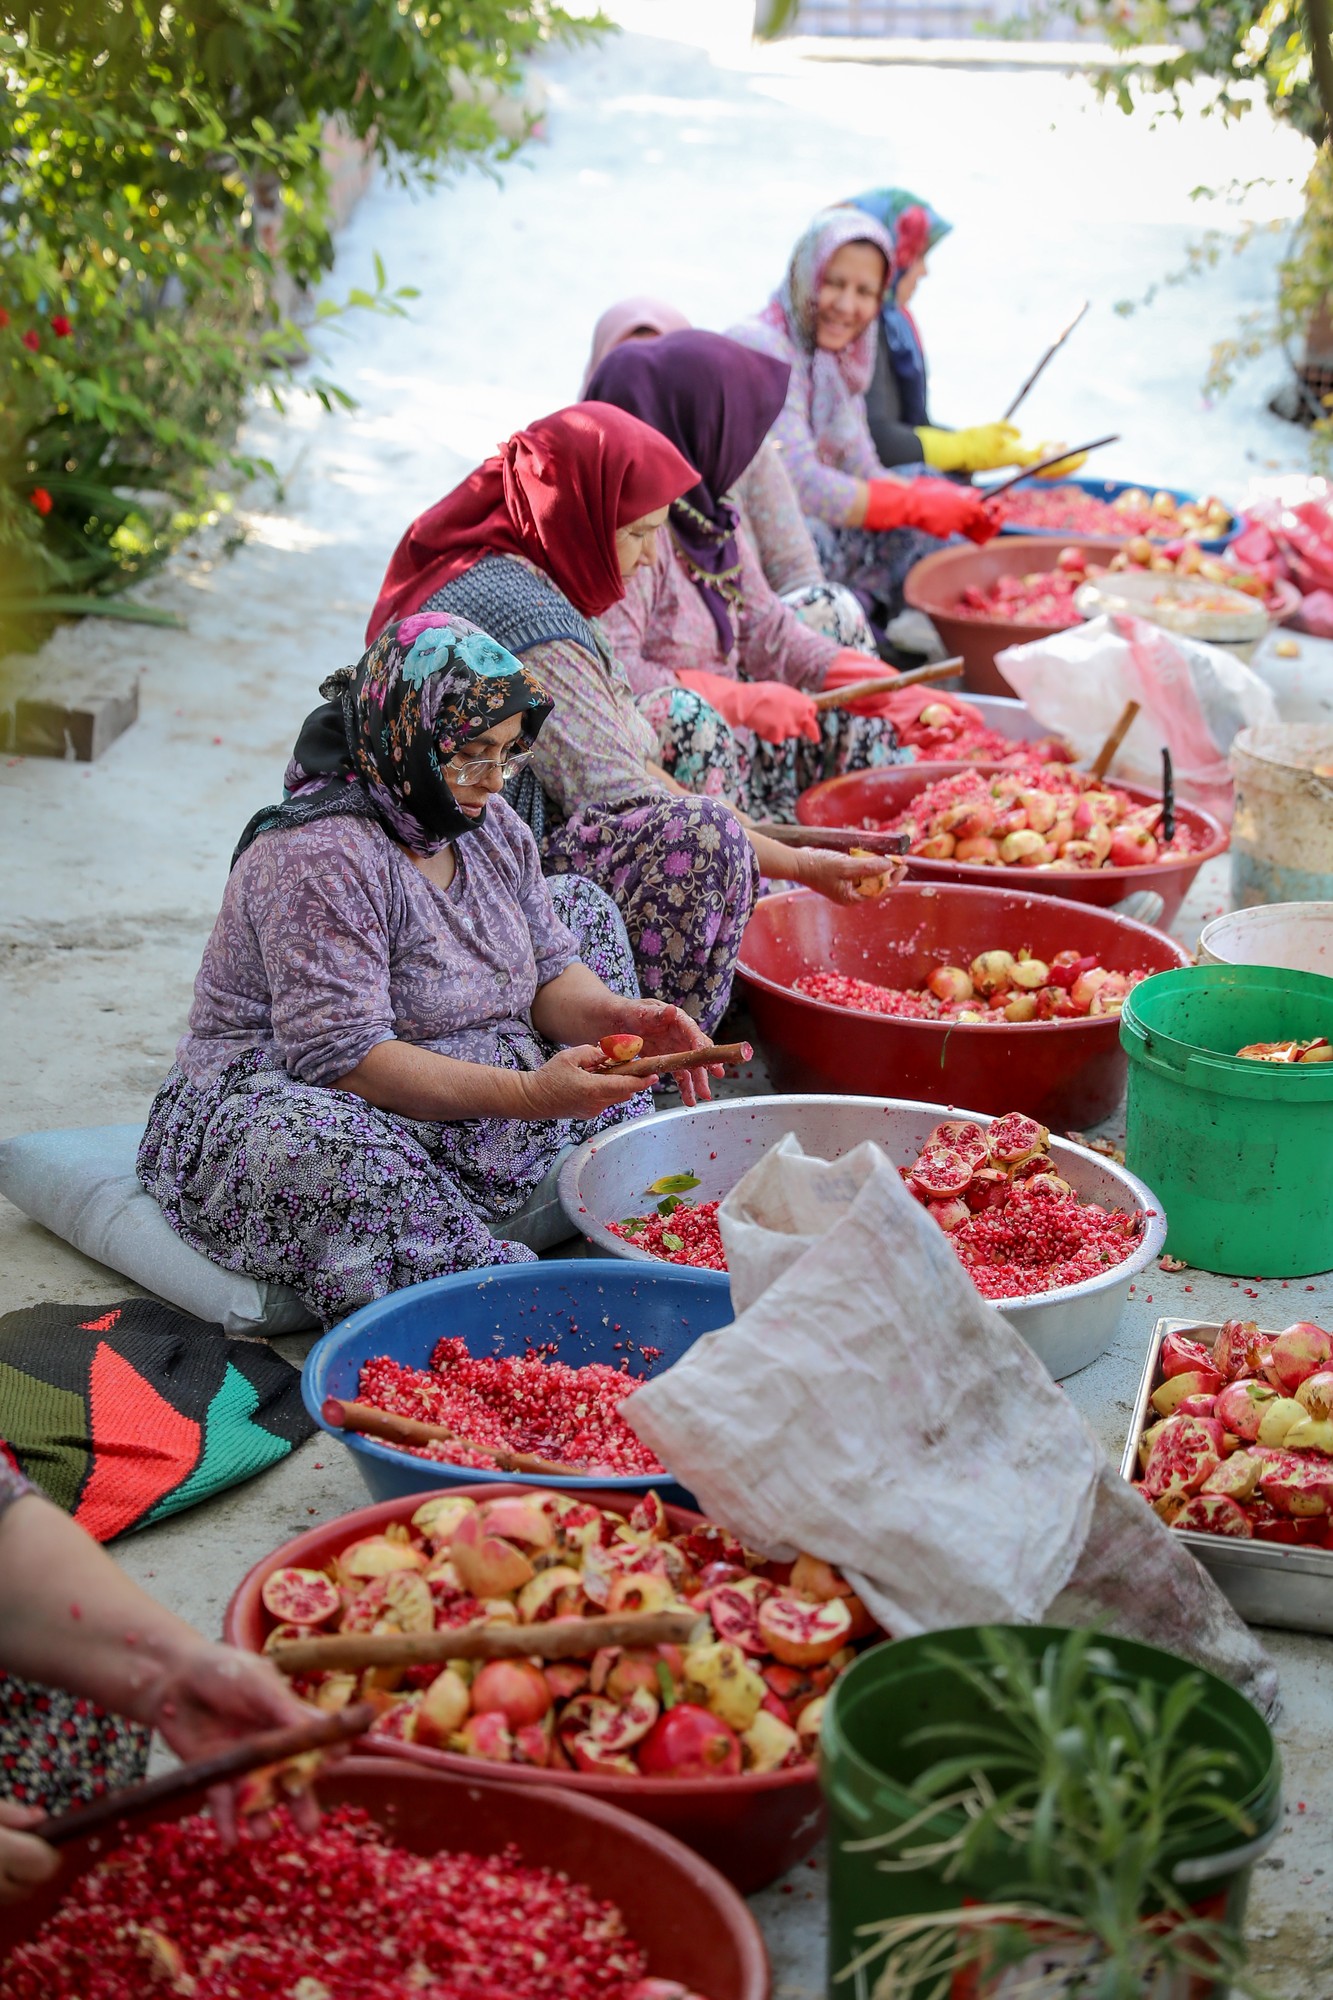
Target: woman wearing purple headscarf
pixel 702 616
pixel 869 525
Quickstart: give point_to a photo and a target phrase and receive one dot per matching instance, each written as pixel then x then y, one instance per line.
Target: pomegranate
pixel 940 1173
pixel 689 1742
pixel 1180 1356
pixel 513 1688
pixel 735 1618
pixel 301 1596
pixel 1214 1514
pixel 487 1566
pixel 1015 1138
pixel 1184 1452
pixel 1315 1394
pixel 1299 1352
pixel 801 1634
pixel 1241 1407
pixel 621 1048
pixel 1198 1384
pixel 442 1710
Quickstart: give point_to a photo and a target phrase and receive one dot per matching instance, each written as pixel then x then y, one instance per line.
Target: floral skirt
pixel 300 1185
pixel 765 779
pixel 683 875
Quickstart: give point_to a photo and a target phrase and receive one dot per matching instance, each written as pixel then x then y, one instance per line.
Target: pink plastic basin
pixel 752 1828
pixel 692 1925
pixel 1066 1073
pixel 882 795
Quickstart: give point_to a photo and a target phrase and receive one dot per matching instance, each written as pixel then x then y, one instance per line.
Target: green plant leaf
pixel 675 1184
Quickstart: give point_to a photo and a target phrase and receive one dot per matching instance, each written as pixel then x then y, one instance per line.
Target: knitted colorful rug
pixel 125 1414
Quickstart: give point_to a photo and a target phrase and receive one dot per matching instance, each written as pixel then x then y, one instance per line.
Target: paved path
pixel 666 171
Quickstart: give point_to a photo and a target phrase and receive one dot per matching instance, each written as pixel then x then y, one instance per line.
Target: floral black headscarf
pixel 377 747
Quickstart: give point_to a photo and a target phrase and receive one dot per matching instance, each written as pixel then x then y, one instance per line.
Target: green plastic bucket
pixel 896 1689
pixel 1240 1154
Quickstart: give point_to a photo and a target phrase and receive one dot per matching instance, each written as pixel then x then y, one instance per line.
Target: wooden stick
pixel 841 837
pixel 559 1639
pixel 369 1421
pixel 1101 763
pixel 274 1746
pixel 938 670
pixel 1045 464
pixel 1049 355
pixel 720 1052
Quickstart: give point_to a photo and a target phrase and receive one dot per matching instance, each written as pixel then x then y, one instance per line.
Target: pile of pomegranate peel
pixel 1243 1443
pixel 1017 1226
pixel 334 1915
pixel 954 732
pixel 746 1698
pixel 1318 1049
pixel 528 1402
pixel 998 988
pixel 1038 817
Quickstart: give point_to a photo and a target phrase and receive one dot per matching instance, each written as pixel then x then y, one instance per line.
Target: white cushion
pixel 82 1186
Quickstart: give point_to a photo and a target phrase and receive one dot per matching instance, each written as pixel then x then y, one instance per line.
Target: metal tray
pixel 1270 1583
pixel 720 1141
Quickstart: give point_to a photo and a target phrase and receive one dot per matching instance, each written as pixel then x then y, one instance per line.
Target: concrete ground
pixel 682 167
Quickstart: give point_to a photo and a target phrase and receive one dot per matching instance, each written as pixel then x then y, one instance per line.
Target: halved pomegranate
pixel 800 1634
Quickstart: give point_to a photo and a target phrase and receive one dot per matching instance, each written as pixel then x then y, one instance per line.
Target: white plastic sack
pixel 868 1405
pixel 1193 698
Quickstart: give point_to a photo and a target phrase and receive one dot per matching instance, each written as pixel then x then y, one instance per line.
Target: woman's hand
pixel 213 1696
pixel 846 878
pixel 845 669
pixel 25 1862
pixel 569 1086
pixel 664 1031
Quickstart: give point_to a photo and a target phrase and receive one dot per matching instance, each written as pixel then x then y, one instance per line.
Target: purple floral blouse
pixel 330 941
pixel 772 513
pixel 662 625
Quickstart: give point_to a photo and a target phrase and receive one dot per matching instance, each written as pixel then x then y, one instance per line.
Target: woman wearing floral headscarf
pixel 392 1034
pixel 869 526
pixel 896 400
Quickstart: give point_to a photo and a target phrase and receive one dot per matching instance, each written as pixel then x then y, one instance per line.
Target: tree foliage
pixel 163 170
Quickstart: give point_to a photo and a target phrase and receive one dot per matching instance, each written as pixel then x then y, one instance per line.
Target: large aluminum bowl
pixel 606 1178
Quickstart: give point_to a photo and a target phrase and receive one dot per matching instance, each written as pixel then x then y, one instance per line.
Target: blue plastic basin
pixel 1107 489
pixel 584 1305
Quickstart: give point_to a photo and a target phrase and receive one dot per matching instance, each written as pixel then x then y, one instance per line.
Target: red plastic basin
pixel 753 1828
pixel 935 584
pixel 882 794
pixel 692 1925
pixel 1066 1073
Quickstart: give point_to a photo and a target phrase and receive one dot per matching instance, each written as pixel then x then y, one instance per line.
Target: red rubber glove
pixel 936 506
pixel 847 667
pixel 771 708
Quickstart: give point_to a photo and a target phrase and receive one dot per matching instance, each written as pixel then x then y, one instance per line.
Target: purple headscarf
pixel 716 401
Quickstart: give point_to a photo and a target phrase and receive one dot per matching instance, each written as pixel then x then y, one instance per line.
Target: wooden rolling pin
pixel 844 838
pixel 368 1421
pixel 721 1052
pixel 274 1746
pixel 938 670
pixel 560 1639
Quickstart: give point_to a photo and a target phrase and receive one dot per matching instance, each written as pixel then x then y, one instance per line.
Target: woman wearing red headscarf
pixel 534 547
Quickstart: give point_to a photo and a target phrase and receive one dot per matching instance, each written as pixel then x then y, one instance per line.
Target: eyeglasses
pixel 474 770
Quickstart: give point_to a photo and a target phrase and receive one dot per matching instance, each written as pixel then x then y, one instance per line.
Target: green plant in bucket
pixel 1071 1793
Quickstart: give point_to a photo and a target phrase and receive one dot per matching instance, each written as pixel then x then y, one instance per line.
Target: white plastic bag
pixel 868 1405
pixel 1193 698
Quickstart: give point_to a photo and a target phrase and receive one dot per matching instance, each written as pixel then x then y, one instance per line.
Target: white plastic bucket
pixel 1295 937
pixel 1282 833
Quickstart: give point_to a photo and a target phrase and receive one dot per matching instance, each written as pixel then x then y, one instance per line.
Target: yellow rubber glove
pixel 980 449
pixel 1066 468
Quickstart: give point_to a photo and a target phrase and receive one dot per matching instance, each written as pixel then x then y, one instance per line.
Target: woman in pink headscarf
pixel 770 513
pixel 868 525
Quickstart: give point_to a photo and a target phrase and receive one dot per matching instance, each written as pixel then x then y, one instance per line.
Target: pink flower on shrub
pixel 61 327
pixel 31 341
pixel 41 499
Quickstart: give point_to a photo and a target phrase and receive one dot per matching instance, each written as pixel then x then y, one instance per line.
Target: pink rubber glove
pixel 770 708
pixel 936 506
pixel 847 667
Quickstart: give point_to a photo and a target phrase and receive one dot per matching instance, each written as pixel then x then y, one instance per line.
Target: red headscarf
pixel 555 493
